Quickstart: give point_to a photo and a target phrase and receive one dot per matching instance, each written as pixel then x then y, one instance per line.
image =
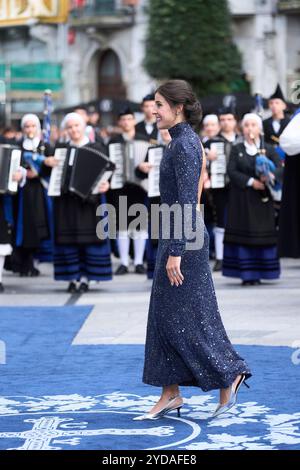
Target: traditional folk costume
pixel 220 188
pixel 135 194
pixel 32 225
pixel 152 242
pixel 7 223
pixel 79 255
pixel 250 243
pixel 273 128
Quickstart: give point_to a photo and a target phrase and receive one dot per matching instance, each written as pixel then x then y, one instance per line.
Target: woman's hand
pixel 51 161
pixel 212 155
pixel 258 185
pixel 31 174
pixel 145 167
pixel 173 269
pixel 263 178
pixel 17 176
pixel 103 187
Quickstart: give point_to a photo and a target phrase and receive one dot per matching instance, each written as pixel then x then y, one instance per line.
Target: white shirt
pixel 83 142
pixel 31 144
pixel 252 149
pixel 149 126
pixel 276 125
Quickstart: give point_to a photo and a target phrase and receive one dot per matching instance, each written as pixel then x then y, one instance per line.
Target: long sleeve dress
pixel 186 341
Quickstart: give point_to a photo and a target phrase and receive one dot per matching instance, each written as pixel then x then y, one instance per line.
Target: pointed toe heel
pixel 232 400
pixel 162 412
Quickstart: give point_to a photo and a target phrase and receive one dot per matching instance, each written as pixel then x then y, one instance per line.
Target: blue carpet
pixel 58 396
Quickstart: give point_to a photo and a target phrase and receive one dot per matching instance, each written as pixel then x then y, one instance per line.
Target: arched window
pixel 110 84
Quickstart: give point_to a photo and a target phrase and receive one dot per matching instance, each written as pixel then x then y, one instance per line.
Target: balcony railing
pixel 289 6
pixel 242 8
pixel 102 12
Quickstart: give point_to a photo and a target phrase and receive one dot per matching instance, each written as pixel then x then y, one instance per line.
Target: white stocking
pixel 219 239
pixel 139 244
pixel 123 245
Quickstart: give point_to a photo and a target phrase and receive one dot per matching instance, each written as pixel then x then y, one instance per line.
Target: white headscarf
pixel 28 143
pixel 33 118
pixel 72 117
pixel 76 117
pixel 211 118
pixel 251 149
pixel 252 117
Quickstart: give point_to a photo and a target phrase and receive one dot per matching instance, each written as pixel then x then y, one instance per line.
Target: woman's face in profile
pixel 165 115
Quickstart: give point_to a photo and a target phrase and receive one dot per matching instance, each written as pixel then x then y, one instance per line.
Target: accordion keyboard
pixel 57 172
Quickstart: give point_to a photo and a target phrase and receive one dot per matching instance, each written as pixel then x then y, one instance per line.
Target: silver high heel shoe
pixel 163 411
pixel 232 399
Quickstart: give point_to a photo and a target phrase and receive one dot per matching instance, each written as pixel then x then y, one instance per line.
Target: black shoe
pixel 24 274
pixel 72 288
pixel 251 283
pixel 139 269
pixel 34 272
pixel 84 287
pixel 1 288
pixel 218 265
pixel 121 270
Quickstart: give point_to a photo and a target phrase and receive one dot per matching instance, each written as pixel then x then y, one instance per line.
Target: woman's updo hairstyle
pixel 180 92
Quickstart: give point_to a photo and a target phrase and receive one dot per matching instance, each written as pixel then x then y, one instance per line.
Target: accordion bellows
pixel 79 170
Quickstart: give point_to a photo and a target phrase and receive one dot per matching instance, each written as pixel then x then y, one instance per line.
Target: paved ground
pixel 264 315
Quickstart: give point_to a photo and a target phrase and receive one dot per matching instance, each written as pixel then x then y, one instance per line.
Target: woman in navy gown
pixel 186 341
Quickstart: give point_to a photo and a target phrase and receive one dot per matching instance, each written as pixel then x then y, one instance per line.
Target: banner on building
pixel 18 12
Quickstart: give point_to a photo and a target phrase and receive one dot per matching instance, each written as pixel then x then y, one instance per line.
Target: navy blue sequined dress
pixel 186 341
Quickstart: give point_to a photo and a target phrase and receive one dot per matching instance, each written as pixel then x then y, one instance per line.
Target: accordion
pixel 79 171
pixel 155 155
pixel 10 160
pixel 218 166
pixel 126 157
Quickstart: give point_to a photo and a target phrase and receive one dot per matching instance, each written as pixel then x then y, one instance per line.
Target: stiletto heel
pixel 162 412
pixel 232 399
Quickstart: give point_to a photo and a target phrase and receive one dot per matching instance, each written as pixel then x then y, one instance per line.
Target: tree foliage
pixel 192 39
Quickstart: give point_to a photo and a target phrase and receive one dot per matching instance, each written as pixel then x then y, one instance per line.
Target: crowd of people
pixel 250 186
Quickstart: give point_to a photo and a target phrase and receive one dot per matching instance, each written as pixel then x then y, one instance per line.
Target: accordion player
pixel 79 170
pixel 127 156
pixel 10 160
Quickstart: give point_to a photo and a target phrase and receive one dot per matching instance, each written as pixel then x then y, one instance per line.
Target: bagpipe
pixel 264 167
pixel 33 160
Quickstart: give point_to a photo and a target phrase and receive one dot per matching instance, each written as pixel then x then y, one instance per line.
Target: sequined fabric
pixel 186 341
